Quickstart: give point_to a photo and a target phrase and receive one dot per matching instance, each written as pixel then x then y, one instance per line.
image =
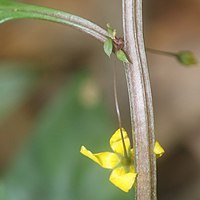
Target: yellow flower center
pixel 126 161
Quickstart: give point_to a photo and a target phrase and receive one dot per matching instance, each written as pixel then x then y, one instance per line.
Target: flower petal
pixel 123 179
pixel 106 160
pixel 116 142
pixel 158 150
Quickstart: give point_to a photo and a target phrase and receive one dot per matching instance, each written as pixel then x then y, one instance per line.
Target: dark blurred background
pixel 56 95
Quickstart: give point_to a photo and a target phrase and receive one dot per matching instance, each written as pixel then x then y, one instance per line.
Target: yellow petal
pixel 123 179
pixel 158 150
pixel 116 142
pixel 106 160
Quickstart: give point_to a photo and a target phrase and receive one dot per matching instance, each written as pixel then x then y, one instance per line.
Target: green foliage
pixel 186 58
pixel 50 166
pixel 2 191
pixel 111 32
pixel 15 86
pixel 108 47
pixel 122 56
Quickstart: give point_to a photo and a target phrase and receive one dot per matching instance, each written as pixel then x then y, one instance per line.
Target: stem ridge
pixel 140 99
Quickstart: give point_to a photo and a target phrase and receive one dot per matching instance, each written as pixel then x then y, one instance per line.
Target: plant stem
pixel 155 51
pixel 140 99
pixel 10 10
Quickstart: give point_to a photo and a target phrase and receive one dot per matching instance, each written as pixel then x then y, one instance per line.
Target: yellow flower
pixel 122 163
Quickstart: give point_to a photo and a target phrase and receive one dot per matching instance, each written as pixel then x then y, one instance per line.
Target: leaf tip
pixel 121 55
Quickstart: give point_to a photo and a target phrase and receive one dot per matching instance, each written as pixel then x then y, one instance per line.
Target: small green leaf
pixel 186 58
pixel 108 46
pixel 111 32
pixel 122 56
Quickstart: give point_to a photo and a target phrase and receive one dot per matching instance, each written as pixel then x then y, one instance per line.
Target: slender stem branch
pixel 118 110
pixel 160 52
pixel 140 99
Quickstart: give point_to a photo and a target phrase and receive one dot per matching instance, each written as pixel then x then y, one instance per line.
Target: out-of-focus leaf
pixel 2 191
pixel 186 58
pixel 15 85
pixel 50 166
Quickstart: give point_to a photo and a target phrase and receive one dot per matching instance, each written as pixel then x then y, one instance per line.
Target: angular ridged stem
pixel 140 99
